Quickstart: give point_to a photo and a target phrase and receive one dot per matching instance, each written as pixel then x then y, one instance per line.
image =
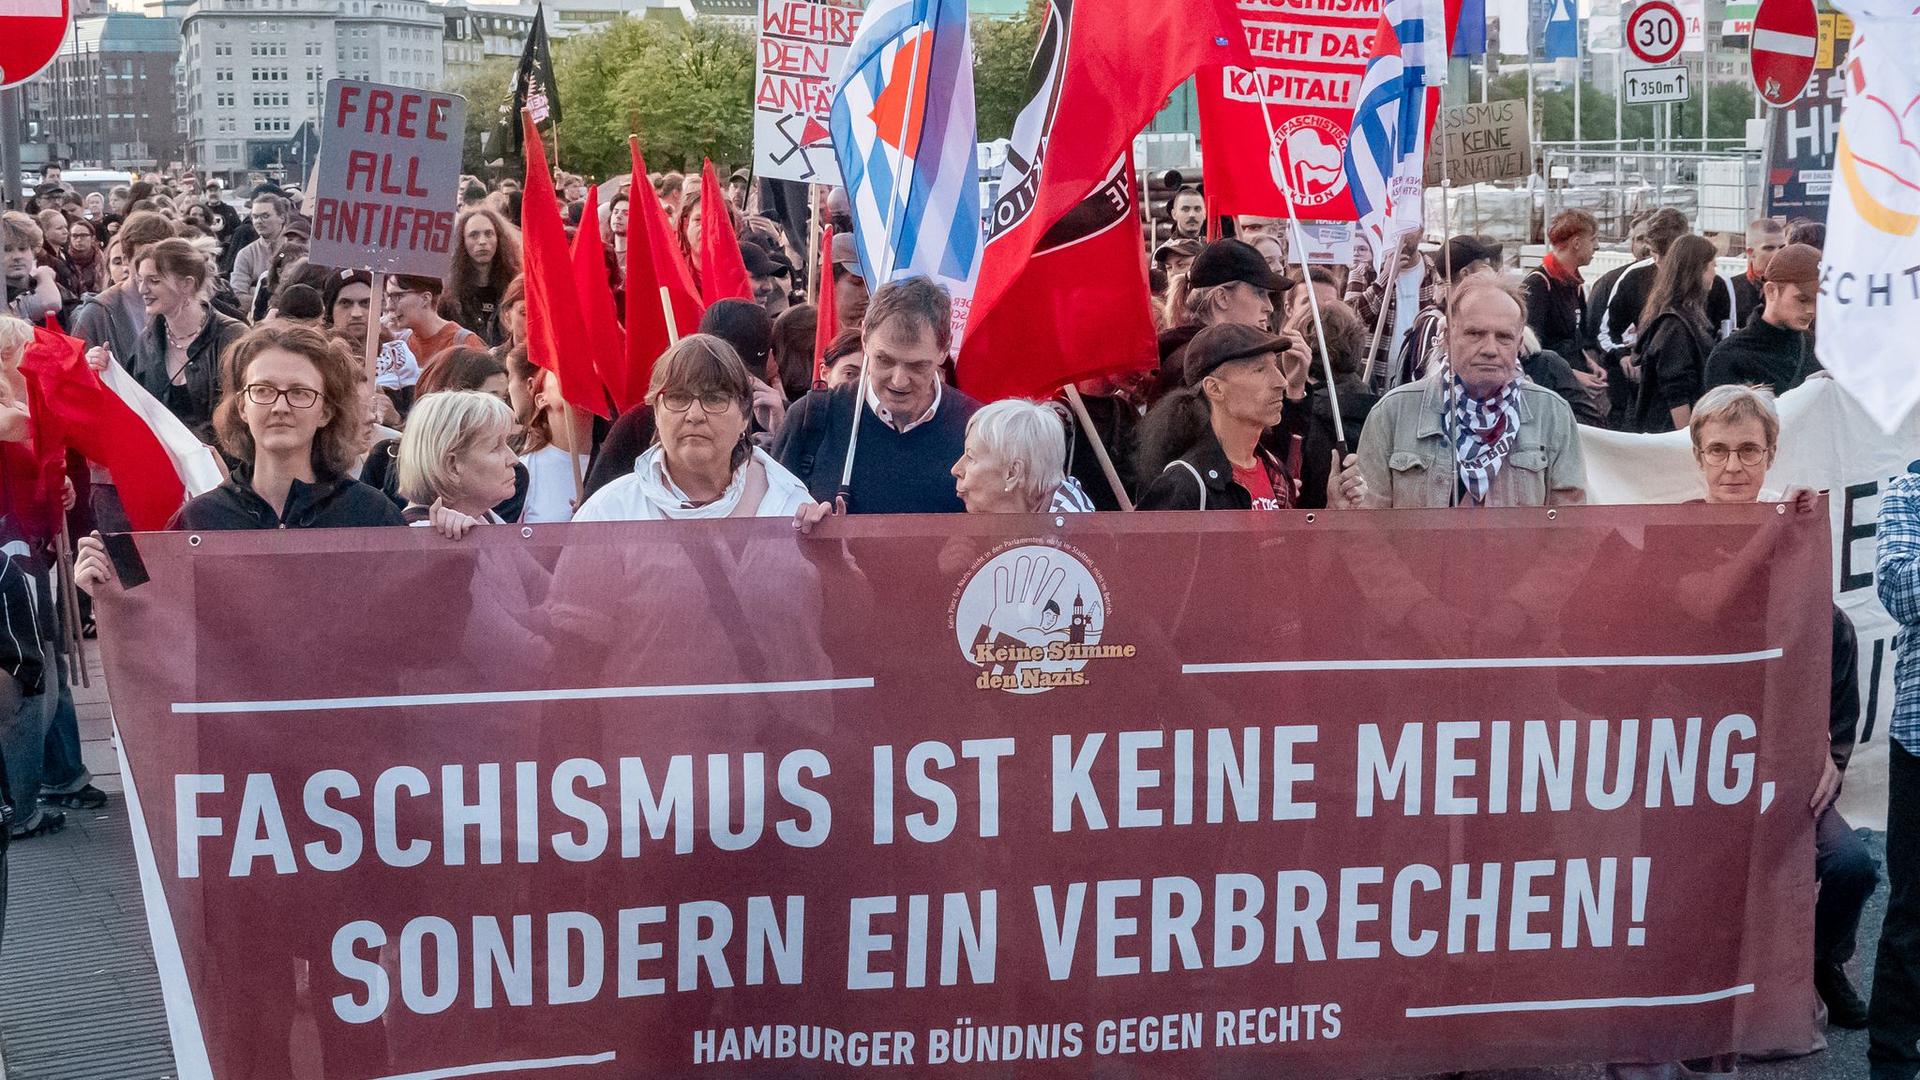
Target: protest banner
pixel 801 49
pixel 1827 443
pixel 1206 794
pixel 388 182
pixel 1319 49
pixel 1484 141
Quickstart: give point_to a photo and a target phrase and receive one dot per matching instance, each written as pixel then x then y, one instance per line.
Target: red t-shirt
pixel 1258 481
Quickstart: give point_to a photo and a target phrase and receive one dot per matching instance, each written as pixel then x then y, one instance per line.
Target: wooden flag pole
pixel 74 641
pixel 813 244
pixel 666 305
pixel 1099 448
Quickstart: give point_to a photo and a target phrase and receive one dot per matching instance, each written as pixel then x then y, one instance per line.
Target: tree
pixel 686 90
pixel 1002 53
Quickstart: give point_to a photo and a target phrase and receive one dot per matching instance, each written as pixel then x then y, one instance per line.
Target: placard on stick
pixel 389 177
pixel 1485 140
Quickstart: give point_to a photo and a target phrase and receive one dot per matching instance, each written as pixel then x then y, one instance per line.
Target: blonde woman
pixel 455 461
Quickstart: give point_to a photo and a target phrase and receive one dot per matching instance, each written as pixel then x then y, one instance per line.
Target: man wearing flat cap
pixel 1774 349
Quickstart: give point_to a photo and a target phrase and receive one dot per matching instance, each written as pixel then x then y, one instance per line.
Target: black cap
pixel 759 263
pixel 1226 261
pixel 741 175
pixel 1185 247
pixel 1463 251
pixel 1224 343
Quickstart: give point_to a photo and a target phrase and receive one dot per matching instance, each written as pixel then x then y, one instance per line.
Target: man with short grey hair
pixel 1474 431
pixel 912 427
pixel 270 216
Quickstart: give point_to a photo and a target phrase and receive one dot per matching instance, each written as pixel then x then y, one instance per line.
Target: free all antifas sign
pixel 389 177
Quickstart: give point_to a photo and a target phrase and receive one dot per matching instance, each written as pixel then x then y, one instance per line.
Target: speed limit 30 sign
pixel 1655 32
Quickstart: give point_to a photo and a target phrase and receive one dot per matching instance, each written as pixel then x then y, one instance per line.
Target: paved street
pixel 75 912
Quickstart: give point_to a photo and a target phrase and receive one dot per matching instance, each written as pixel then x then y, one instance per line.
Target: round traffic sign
pixel 1655 32
pixel 1785 33
pixel 31 32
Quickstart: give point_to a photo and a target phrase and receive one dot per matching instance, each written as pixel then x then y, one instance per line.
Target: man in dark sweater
pixel 1765 236
pixel 912 428
pixel 1774 350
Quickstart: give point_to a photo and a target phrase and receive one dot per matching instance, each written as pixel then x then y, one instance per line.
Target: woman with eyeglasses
pixel 293 423
pixel 702 463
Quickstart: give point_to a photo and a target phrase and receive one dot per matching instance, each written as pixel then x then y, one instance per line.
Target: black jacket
pixel 329 504
pixel 1843 713
pixel 203 377
pixel 1749 300
pixel 382 472
pixel 1762 354
pixel 1316 449
pixel 1557 312
pixel 1553 371
pixel 1116 422
pixel 1673 361
pixel 1176 489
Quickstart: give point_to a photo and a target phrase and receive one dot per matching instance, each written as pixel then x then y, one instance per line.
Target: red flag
pixel 1093 88
pixel 723 274
pixel 827 308
pixel 599 320
pixel 653 263
pixel 73 408
pixel 1078 308
pixel 553 303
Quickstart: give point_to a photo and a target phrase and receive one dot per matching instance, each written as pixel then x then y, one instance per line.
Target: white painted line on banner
pixel 1469 662
pixel 494 697
pixel 1580 1003
pixel 486 1067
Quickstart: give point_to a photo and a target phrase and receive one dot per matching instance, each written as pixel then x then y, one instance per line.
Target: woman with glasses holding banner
pixel 293 423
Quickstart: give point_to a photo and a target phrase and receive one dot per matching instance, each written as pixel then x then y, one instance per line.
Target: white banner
pixel 1827 442
pixel 800 50
pixel 1869 296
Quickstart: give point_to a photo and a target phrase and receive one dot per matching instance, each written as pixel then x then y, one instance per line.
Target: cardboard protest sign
pixel 1484 141
pixel 1225 795
pixel 388 182
pixel 1328 243
pixel 801 48
pixel 1319 50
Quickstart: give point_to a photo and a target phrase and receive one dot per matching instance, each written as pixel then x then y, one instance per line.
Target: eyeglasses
pixel 1749 454
pixel 300 397
pixel 712 401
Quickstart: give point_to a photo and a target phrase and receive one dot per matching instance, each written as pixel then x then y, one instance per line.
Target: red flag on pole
pixel 827 308
pixel 553 303
pixel 599 320
pixel 1078 308
pixel 1093 89
pixel 73 408
pixel 723 274
pixel 653 263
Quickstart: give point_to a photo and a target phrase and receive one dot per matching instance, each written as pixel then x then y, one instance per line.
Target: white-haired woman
pixel 178 357
pixel 455 462
pixel 1015 462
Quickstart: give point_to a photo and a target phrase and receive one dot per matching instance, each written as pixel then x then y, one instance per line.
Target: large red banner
pixel 1313 53
pixel 1121 795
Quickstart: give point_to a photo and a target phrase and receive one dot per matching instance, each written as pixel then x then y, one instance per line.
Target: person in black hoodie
pixel 1346 339
pixel 1675 337
pixel 293 423
pixel 1775 348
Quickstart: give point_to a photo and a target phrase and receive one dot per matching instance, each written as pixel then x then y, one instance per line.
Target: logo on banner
pixel 1030 617
pixel 1309 157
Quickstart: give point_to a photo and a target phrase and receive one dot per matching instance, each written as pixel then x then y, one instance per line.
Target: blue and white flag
pixel 903 133
pixel 1387 149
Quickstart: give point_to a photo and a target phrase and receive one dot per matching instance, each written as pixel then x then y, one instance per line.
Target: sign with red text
pixel 1226 795
pixel 1318 50
pixel 801 48
pixel 388 182
pixel 31 33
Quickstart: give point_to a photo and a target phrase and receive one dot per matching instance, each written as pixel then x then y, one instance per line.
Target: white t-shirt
pixel 549 485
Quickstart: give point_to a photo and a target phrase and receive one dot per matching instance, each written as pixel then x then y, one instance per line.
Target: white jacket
pixel 649 494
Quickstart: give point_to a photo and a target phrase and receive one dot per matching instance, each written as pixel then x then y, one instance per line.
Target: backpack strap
pixel 1188 465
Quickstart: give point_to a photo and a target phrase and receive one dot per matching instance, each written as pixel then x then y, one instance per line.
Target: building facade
pixel 107 100
pixel 251 73
pixel 477 33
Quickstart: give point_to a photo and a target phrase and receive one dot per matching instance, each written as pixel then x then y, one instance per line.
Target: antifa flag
pixel 1090 91
pixel 1078 309
pixel 535 89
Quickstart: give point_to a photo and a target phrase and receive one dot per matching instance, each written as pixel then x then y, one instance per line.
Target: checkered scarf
pixel 1483 432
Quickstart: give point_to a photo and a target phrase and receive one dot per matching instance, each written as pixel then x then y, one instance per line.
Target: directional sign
pixel 1561 39
pixel 1653 86
pixel 1656 32
pixel 31 32
pixel 1785 36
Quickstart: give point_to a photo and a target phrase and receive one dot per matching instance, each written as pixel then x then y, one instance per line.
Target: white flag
pixel 1869 312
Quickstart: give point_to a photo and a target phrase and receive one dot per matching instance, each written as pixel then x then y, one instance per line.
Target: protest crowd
pixel 439 403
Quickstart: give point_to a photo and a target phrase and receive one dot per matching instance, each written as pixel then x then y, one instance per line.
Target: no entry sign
pixel 1785 36
pixel 389 178
pixel 1655 32
pixel 31 32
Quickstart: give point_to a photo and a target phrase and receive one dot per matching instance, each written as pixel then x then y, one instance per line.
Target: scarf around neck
pixel 1483 433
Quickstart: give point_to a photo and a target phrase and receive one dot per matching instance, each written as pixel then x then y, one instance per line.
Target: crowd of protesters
pixel 1273 390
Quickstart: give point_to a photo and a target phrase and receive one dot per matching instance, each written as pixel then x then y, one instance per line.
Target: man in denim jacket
pixel 1474 432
